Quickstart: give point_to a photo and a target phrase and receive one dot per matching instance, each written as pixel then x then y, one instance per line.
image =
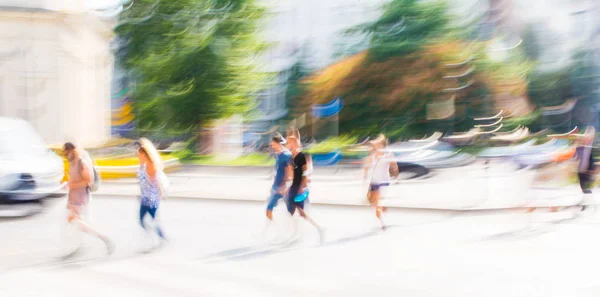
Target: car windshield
pixel 20 139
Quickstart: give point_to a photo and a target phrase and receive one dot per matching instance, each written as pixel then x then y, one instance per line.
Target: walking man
pixel 279 189
pixel 298 192
pixel 81 177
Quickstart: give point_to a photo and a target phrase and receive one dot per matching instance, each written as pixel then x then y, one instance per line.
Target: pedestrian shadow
pixel 357 237
pixel 525 233
pixel 72 260
pixel 255 252
pixel 230 252
pixel 252 252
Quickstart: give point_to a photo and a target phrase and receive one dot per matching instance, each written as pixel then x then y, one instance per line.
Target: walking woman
pixel 377 166
pixel 150 184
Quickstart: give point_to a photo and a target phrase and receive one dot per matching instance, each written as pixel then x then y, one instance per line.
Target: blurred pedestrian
pixel 150 175
pixel 282 173
pixel 586 168
pixel 377 168
pixel 585 165
pixel 298 193
pixel 81 177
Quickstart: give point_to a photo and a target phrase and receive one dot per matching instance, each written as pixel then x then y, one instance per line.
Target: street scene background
pixel 489 109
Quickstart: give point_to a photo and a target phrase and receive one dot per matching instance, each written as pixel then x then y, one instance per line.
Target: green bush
pixel 333 144
pixel 184 154
pixel 527 121
pixel 254 159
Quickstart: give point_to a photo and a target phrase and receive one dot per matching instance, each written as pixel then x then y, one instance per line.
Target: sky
pixel 102 3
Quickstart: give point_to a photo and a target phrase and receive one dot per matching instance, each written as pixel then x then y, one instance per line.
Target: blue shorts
pixel 273 200
pixel 376 187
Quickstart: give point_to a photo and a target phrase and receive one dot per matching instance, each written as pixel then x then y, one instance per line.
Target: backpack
pixel 163 183
pixel 96 183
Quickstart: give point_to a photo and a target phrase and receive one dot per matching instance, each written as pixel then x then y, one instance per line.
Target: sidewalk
pixel 473 188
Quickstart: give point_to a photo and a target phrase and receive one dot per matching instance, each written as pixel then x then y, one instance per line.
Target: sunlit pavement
pixel 215 250
pixel 462 188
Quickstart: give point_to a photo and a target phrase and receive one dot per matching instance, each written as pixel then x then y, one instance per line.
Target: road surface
pixel 215 249
pixel 478 186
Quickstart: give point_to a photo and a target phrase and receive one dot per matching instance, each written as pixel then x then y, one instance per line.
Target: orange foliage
pixel 400 84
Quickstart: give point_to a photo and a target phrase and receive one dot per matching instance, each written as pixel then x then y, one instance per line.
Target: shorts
pixel 78 211
pixel 377 187
pixel 291 204
pixel 585 182
pixel 273 200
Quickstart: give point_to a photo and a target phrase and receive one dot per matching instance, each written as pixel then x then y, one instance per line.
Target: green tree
pixel 531 45
pixel 584 76
pixel 404 27
pixel 421 66
pixel 299 71
pixel 192 61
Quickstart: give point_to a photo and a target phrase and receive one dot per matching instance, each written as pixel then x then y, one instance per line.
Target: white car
pixel 29 170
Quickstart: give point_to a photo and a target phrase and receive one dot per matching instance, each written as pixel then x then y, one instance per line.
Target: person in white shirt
pixel 377 168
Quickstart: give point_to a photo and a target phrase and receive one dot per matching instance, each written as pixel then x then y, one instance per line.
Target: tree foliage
pixel 192 61
pixel 578 80
pixel 414 67
pixel 531 45
pixel 404 27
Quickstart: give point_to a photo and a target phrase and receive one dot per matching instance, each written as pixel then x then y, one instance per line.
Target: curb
pixel 348 178
pixel 355 204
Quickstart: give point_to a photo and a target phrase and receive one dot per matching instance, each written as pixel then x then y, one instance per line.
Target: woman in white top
pixel 377 166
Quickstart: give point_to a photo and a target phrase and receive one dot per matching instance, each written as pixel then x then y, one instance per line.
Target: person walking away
pixel 149 177
pixel 79 197
pixel 298 192
pixel 377 166
pixel 586 168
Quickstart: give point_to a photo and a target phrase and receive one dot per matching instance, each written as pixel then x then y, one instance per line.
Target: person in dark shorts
pixel 278 190
pixel 298 193
pixel 586 168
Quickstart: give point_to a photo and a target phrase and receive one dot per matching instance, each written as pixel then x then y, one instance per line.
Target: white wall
pixel 55 72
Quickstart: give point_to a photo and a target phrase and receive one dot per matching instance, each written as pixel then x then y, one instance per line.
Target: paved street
pixel 215 250
pixel 477 186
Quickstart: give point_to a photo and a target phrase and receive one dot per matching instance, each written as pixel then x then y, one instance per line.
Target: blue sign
pixel 326 110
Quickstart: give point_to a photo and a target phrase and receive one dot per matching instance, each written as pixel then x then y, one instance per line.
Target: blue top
pixel 282 160
pixel 148 189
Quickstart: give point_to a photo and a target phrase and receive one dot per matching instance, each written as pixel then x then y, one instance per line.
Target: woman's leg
pixel 152 212
pixel 143 211
pixel 375 195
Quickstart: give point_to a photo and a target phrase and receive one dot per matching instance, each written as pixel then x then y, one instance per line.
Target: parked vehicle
pixel 29 171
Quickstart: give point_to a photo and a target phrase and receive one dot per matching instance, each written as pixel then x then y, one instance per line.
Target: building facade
pixel 55 69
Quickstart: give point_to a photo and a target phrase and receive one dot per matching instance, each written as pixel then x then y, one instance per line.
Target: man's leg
pixel 585 182
pixel 303 214
pixel 85 227
pixel 271 204
pixel 289 201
